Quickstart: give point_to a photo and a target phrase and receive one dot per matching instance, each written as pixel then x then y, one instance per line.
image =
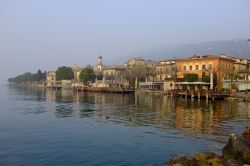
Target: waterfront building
pixel 51 79
pixel 241 67
pixel 240 85
pixel 114 72
pixel 150 65
pixel 206 66
pixel 165 70
pixel 66 84
pixel 110 84
pixel 139 61
pixel 162 78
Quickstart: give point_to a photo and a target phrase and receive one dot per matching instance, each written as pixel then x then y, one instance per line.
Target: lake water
pixel 47 127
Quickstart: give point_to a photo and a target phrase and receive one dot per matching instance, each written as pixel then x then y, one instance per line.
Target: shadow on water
pixel 199 118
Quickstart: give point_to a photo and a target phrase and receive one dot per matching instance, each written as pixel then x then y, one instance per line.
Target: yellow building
pixel 205 65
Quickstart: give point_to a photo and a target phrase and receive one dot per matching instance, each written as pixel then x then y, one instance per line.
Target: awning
pixel 192 83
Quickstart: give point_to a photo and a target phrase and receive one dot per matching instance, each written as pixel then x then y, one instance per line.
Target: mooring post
pixel 206 95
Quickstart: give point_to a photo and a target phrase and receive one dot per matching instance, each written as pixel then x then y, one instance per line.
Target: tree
pixel 87 75
pixel 191 77
pixel 138 71
pixel 233 76
pixel 23 78
pixel 99 76
pixel 205 78
pixel 38 76
pixel 64 73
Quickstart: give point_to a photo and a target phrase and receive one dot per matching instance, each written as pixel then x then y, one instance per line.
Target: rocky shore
pixel 235 153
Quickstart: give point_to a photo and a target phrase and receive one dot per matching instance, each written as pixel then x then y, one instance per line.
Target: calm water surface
pixel 45 127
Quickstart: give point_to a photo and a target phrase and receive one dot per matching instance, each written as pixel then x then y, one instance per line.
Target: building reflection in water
pixel 191 116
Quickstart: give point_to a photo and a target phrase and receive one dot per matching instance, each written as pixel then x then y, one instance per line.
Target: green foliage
pixel 28 77
pixel 99 76
pixel 40 76
pixel 139 71
pixel 190 77
pixel 206 78
pixel 64 73
pixel 87 75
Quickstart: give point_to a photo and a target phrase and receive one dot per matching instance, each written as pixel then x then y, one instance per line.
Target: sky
pixel 46 34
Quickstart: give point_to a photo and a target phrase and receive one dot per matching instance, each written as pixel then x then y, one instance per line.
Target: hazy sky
pixel 46 34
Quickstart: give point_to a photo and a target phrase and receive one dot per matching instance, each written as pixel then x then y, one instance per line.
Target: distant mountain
pixel 236 48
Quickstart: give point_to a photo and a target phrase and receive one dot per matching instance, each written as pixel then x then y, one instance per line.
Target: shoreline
pixel 235 153
pixel 208 95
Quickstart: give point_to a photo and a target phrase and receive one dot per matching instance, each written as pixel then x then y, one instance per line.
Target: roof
pixel 51 74
pixel 192 83
pixel 114 67
pixel 204 57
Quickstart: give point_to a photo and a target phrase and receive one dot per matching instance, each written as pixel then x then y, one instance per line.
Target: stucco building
pixel 114 72
pixel 139 61
pixel 51 79
pixel 166 70
pixel 205 65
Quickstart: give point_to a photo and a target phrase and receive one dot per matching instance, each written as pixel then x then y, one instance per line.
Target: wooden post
pixel 206 95
pixel 199 95
pixel 192 94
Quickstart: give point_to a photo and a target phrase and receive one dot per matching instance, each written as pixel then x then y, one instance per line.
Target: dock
pixel 105 90
pixel 197 94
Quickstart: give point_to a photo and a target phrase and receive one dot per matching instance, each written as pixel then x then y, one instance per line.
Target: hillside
pixel 237 48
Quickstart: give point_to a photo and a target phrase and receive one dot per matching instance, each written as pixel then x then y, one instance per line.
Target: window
pixel 184 67
pixel 203 67
pixel 210 66
pixel 197 67
pixel 190 67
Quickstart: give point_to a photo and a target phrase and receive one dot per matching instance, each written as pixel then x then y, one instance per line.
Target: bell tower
pixel 100 60
pixel 99 64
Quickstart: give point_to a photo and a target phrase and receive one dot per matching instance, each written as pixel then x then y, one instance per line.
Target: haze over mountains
pixel 237 48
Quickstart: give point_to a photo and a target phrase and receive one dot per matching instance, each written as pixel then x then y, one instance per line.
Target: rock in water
pixel 237 149
pixel 207 159
pixel 180 160
pixel 232 162
pixel 246 133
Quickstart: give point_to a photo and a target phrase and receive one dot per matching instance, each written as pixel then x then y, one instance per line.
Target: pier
pixel 105 90
pixel 197 94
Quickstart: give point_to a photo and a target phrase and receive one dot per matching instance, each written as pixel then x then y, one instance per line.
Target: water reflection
pixel 200 118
